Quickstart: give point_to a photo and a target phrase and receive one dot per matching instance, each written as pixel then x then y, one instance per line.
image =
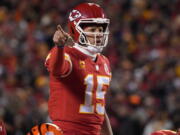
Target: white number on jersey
pixel 88 106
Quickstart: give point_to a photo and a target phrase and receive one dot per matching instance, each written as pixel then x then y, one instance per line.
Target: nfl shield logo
pixel 106 69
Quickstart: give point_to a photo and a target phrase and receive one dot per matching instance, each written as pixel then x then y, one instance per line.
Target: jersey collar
pixel 85 51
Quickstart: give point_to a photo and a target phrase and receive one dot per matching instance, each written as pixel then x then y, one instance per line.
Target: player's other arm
pixel 106 127
pixel 57 62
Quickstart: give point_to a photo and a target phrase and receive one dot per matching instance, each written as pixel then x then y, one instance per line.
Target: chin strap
pixel 94 49
pixel 88 50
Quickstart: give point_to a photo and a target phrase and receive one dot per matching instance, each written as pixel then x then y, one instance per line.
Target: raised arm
pixel 58 61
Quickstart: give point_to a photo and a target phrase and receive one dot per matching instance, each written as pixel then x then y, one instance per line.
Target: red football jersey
pixel 77 89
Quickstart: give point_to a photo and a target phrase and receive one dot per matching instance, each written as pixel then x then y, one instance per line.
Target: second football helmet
pixel 45 129
pixel 165 132
pixel 88 14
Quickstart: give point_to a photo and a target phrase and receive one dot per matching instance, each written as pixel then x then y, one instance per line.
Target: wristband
pixel 60 46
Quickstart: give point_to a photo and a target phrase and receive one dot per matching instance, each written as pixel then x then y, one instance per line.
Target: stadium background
pixel 144 51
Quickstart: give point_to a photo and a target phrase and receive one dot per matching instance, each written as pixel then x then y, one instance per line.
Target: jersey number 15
pixel 88 107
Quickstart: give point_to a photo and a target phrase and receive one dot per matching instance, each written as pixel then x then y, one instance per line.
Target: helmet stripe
pixel 39 128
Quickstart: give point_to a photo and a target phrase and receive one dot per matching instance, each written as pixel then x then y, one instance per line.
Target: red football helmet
pixel 45 129
pixel 165 132
pixel 88 14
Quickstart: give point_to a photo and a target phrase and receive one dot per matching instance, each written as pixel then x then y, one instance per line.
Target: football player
pixel 79 74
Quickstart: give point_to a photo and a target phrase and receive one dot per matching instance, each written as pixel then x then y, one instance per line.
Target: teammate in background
pixel 79 74
pixel 166 132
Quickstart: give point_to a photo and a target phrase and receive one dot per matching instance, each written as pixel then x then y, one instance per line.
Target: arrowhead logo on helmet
pixel 74 14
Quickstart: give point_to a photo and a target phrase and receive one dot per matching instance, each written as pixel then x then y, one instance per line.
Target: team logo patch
pixel 81 64
pixel 74 14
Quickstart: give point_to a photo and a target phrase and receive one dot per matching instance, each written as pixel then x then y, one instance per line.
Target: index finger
pixel 60 28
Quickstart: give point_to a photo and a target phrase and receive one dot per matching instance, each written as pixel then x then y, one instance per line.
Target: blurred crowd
pixel 144 51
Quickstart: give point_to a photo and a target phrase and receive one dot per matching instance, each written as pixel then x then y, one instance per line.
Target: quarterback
pixel 79 74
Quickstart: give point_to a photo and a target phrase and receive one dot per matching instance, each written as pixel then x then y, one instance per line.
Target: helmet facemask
pixel 100 38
